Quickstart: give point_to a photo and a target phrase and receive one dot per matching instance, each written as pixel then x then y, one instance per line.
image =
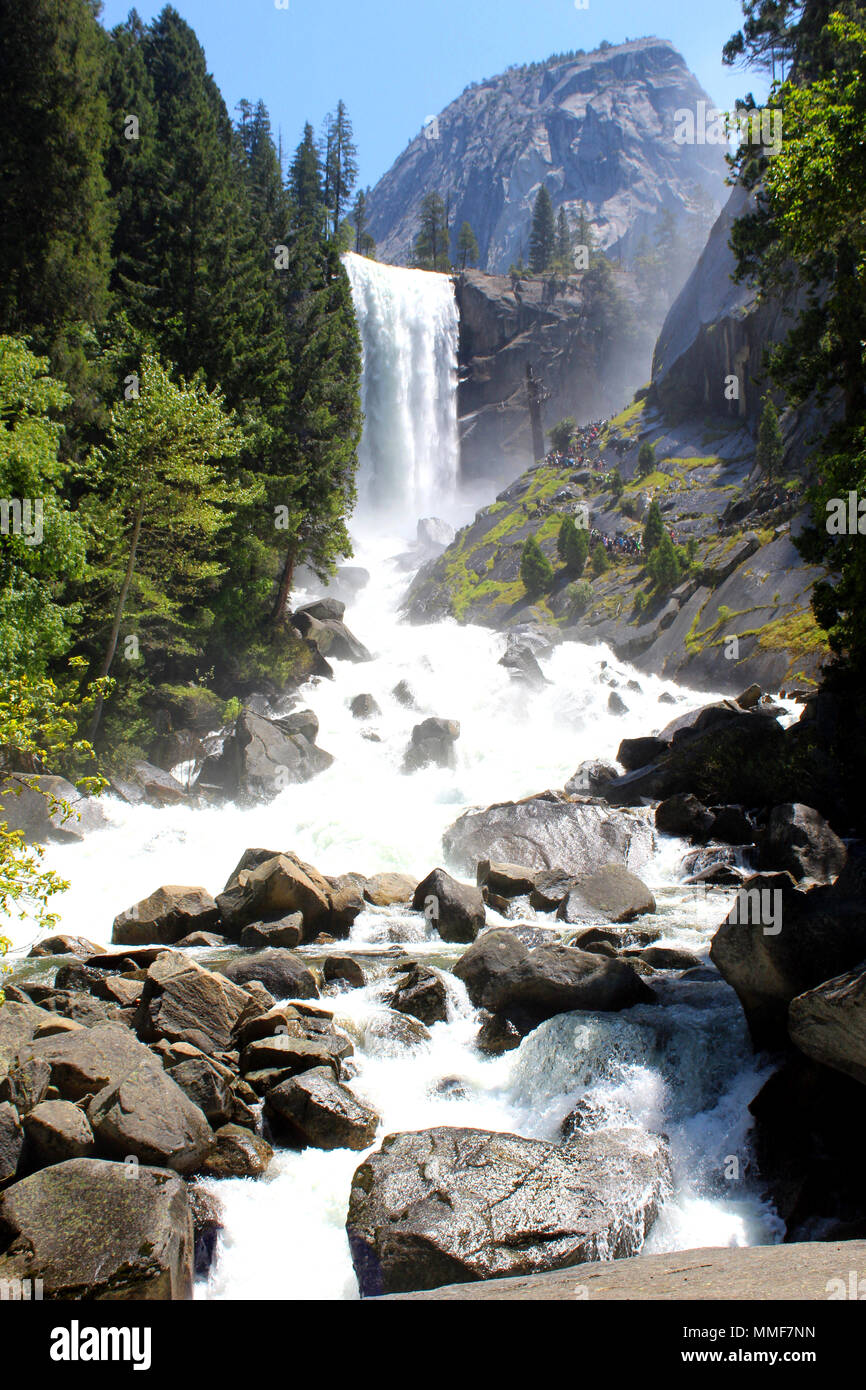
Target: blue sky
pixel 396 62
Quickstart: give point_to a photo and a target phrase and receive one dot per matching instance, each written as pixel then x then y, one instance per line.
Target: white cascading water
pixel 408 320
pixel 682 1068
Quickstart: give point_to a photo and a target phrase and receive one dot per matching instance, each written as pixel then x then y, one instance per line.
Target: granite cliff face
pixel 595 128
pixel 746 580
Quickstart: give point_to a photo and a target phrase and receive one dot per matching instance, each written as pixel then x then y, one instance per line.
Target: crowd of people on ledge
pixel 619 544
pixel 584 438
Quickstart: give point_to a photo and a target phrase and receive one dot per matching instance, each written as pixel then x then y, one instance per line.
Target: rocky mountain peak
pixel 597 128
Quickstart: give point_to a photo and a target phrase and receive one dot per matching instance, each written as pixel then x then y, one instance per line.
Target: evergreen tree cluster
pixel 179 359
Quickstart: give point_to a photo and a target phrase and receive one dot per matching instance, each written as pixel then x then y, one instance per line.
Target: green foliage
pixel 35 624
pixel 341 164
pixel 581 597
pixel 572 546
pixel 663 564
pixel 542 236
pixel 646 459
pixel 654 528
pixel 600 562
pixel 432 244
pixel 617 485
pixel 536 571
pixel 561 434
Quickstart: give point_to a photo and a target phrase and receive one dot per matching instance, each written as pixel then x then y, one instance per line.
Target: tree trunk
pixel 285 588
pixel 118 614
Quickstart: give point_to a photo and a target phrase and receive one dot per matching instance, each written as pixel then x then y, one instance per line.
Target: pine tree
pixel 536 571
pixel 572 546
pixel 341 165
pixel 663 564
pixel 364 243
pixel 542 237
pixel 432 251
pixel 467 246
pixel 56 226
pixel 305 182
pixel 771 449
pixel 646 459
pixel 654 528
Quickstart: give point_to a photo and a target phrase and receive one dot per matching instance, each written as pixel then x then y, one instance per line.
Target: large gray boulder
pixel 18 1023
pixel 166 916
pixel 147 1116
pixel 260 757
pixel 87 1060
pixel 314 1110
pixel 56 1131
pixel 282 973
pixel 828 1023
pixel 612 894
pixel 331 636
pixel 37 805
pixel 90 1231
pixel 799 839
pixel 184 1002
pixel 432 744
pixel 267 887
pixel 444 1205
pixel 531 983
pixel 455 909
pixel 817 934
pixel 550 831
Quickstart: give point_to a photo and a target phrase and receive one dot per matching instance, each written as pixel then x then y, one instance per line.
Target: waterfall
pixel 408 320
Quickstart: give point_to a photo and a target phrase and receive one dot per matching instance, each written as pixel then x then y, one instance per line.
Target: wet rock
pixel 325 609
pixel 26 1084
pixel 331 637
pixel 315 1111
pixel 799 839
pixel 750 697
pixel 590 777
pixel 663 957
pixel 434 534
pixel 345 970
pixel 612 936
pixel 267 887
pixel 685 816
pixel 505 880
pixel 261 757
pixel 184 1002
pixel 86 1060
pixel 384 890
pixel 88 1232
pixel 731 826
pixel 293 1055
pixel 547 832
pixel 639 752
pixel 365 707
pixel 616 704
pixel 612 893
pixel 282 973
pixel 455 909
pixel 32 806
pixel 790 941
pixel 238 1154
pixel 392 1034
pixel 166 916
pixel 432 743
pixel 207 1222
pixel 552 886
pixel 520 662
pixel 404 695
pixel 423 993
pixel 147 1115
pixel 828 1023
pixel 287 932
pixel 207 1084
pixel 504 975
pixel 11 1142
pixel 497 1034
pixel 450 1205
pixel 57 1130
pixel 63 945
pixel 201 940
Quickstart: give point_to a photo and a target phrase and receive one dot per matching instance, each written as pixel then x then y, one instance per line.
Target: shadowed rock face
pixel 597 129
pixel 445 1205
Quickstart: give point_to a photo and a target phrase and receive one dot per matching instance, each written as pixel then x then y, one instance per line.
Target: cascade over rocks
pixel 88 1232
pixel 530 984
pixel 548 831
pixel 330 635
pixel 450 1205
pixel 30 805
pixel 423 993
pixel 314 1110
